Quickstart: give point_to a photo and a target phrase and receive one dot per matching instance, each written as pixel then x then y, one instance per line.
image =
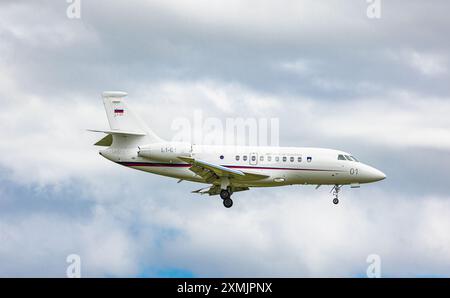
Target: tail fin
pixel 122 119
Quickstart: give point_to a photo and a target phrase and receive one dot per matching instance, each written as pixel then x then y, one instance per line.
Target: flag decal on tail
pixel 118 112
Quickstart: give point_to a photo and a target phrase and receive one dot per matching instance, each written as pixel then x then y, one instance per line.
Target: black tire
pixel 228 203
pixel 224 194
pixel 335 201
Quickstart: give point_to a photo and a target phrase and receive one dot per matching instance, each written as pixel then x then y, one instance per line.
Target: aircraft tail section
pixel 126 129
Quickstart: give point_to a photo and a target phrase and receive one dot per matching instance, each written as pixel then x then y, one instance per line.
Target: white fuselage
pixel 281 165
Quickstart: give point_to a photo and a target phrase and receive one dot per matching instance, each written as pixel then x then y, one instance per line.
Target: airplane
pixel 226 169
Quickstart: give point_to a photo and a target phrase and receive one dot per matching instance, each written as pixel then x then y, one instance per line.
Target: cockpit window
pixel 347 157
pixel 341 157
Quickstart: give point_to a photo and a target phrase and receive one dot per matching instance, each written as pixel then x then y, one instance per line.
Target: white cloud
pixel 427 64
pixel 292 231
pixel 398 120
pixel 395 119
pixel 43 26
pixel 48 142
pixel 266 19
pixel 38 244
pixel 279 233
pixel 50 138
pixel 299 66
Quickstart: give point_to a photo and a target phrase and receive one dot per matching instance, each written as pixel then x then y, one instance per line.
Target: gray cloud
pixel 164 40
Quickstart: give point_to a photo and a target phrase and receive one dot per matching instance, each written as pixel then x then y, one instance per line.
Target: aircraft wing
pixel 211 172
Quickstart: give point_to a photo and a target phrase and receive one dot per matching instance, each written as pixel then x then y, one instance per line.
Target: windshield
pixel 347 157
pixel 354 158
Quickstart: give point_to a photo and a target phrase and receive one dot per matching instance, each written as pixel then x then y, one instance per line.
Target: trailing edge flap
pixel 215 190
pixel 220 171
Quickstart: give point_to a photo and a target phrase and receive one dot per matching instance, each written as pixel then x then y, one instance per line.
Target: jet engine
pixel 165 152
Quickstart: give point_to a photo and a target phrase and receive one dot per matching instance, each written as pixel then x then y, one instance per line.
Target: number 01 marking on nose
pixel 354 171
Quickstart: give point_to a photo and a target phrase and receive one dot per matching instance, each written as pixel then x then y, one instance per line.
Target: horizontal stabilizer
pixel 119 132
pixel 105 142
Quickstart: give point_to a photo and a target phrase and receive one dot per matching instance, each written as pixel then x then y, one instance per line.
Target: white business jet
pixel 228 169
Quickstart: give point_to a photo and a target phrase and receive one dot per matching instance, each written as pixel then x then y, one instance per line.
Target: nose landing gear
pixel 335 190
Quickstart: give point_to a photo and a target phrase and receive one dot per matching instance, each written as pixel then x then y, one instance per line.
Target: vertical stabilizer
pixel 122 119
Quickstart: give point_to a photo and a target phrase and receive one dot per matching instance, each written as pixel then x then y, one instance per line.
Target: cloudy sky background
pixel 334 78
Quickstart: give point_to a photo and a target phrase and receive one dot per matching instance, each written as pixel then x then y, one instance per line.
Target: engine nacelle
pixel 167 152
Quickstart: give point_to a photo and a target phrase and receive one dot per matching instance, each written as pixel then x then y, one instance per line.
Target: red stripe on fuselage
pixel 273 168
pixel 182 165
pixel 152 164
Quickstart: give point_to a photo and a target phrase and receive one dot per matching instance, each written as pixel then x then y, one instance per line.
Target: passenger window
pixel 237 157
pixel 253 158
pixel 284 158
pixel 341 157
pixel 299 159
pixel 277 158
pixel 269 158
pixel 244 158
pixel 261 158
pixel 292 159
pixel 309 159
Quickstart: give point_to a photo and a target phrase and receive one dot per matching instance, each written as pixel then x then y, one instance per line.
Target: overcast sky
pixel 378 88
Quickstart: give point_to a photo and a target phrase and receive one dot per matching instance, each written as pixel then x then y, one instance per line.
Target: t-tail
pixel 126 128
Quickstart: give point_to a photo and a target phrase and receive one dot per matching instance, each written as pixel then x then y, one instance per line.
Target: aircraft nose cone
pixel 377 175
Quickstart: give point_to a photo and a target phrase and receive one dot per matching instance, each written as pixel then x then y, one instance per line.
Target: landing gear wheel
pixel 228 202
pixel 225 194
pixel 335 190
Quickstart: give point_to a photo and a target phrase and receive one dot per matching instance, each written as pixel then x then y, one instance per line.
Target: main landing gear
pixel 335 190
pixel 226 197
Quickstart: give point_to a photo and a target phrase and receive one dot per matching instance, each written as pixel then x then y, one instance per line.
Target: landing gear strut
pixel 335 190
pixel 226 197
